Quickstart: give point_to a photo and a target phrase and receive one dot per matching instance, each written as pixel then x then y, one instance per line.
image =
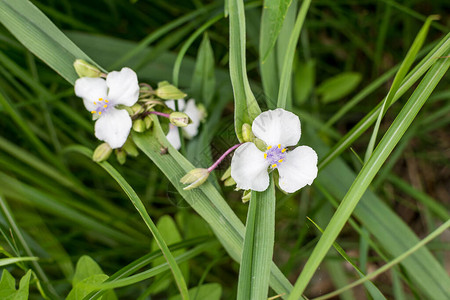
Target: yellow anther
pixel 105 106
pixel 265 155
pixel 99 112
pixel 93 112
pixel 274 165
pixel 284 150
pixel 106 101
pixel 280 161
pixel 279 146
pixel 269 147
pixel 95 103
pixel 101 99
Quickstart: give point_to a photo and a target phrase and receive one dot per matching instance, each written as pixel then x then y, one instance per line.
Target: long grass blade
pixel 389 141
pixel 257 253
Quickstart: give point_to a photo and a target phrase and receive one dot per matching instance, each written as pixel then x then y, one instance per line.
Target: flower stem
pixel 159 114
pixel 214 165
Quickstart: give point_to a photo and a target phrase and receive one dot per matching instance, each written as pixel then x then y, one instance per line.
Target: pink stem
pixel 222 157
pixel 159 114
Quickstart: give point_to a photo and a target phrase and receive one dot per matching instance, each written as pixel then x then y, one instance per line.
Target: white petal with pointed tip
pixel 90 89
pixel 123 87
pixel 113 127
pixel 277 127
pixel 173 136
pixel 298 169
pixel 195 115
pixel 249 168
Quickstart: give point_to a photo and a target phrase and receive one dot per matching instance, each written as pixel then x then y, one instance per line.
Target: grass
pixel 380 199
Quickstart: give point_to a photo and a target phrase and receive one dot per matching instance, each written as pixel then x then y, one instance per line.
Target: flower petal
pixel 298 169
pixel 113 127
pixel 171 104
pixel 173 136
pixel 195 115
pixel 249 168
pixel 90 89
pixel 277 127
pixel 123 87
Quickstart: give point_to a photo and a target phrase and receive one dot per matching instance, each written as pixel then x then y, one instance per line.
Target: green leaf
pixel 304 80
pixel 86 267
pixel 36 32
pixel 435 285
pixel 8 286
pixel 403 70
pixel 274 12
pixel 210 291
pixel 338 87
pixel 87 285
pixel 254 272
pixel 246 109
pixel 204 80
pixel 286 72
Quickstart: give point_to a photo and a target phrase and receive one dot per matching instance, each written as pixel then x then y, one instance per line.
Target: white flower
pixel 278 129
pixel 195 114
pixel 100 97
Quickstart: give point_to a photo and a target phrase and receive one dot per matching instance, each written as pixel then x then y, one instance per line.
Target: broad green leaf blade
pixel 403 70
pixel 339 86
pixel 204 80
pixel 258 246
pixel 286 73
pixel 34 30
pixel 205 200
pixel 85 268
pixel 304 80
pixel 8 286
pixel 274 12
pixel 435 287
pixel 245 106
pixel 178 276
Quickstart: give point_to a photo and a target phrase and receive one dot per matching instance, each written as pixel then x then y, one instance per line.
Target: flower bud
pixel 137 108
pixel 148 122
pixel 102 152
pixel 229 182
pixel 246 196
pixel 194 178
pixel 179 119
pixel 167 91
pixel 226 175
pixel 139 125
pixel 85 69
pixel 121 156
pixel 247 133
pixel 130 148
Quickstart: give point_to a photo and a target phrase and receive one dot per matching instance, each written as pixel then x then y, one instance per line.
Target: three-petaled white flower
pixel 100 97
pixel 278 129
pixel 195 114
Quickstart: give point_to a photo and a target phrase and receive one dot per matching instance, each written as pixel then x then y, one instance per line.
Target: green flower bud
pixel 130 148
pixel 139 125
pixel 179 119
pixel 167 91
pixel 85 69
pixel 247 133
pixel 229 182
pixel 246 196
pixel 148 122
pixel 137 108
pixel 194 178
pixel 121 156
pixel 102 152
pixel 226 175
